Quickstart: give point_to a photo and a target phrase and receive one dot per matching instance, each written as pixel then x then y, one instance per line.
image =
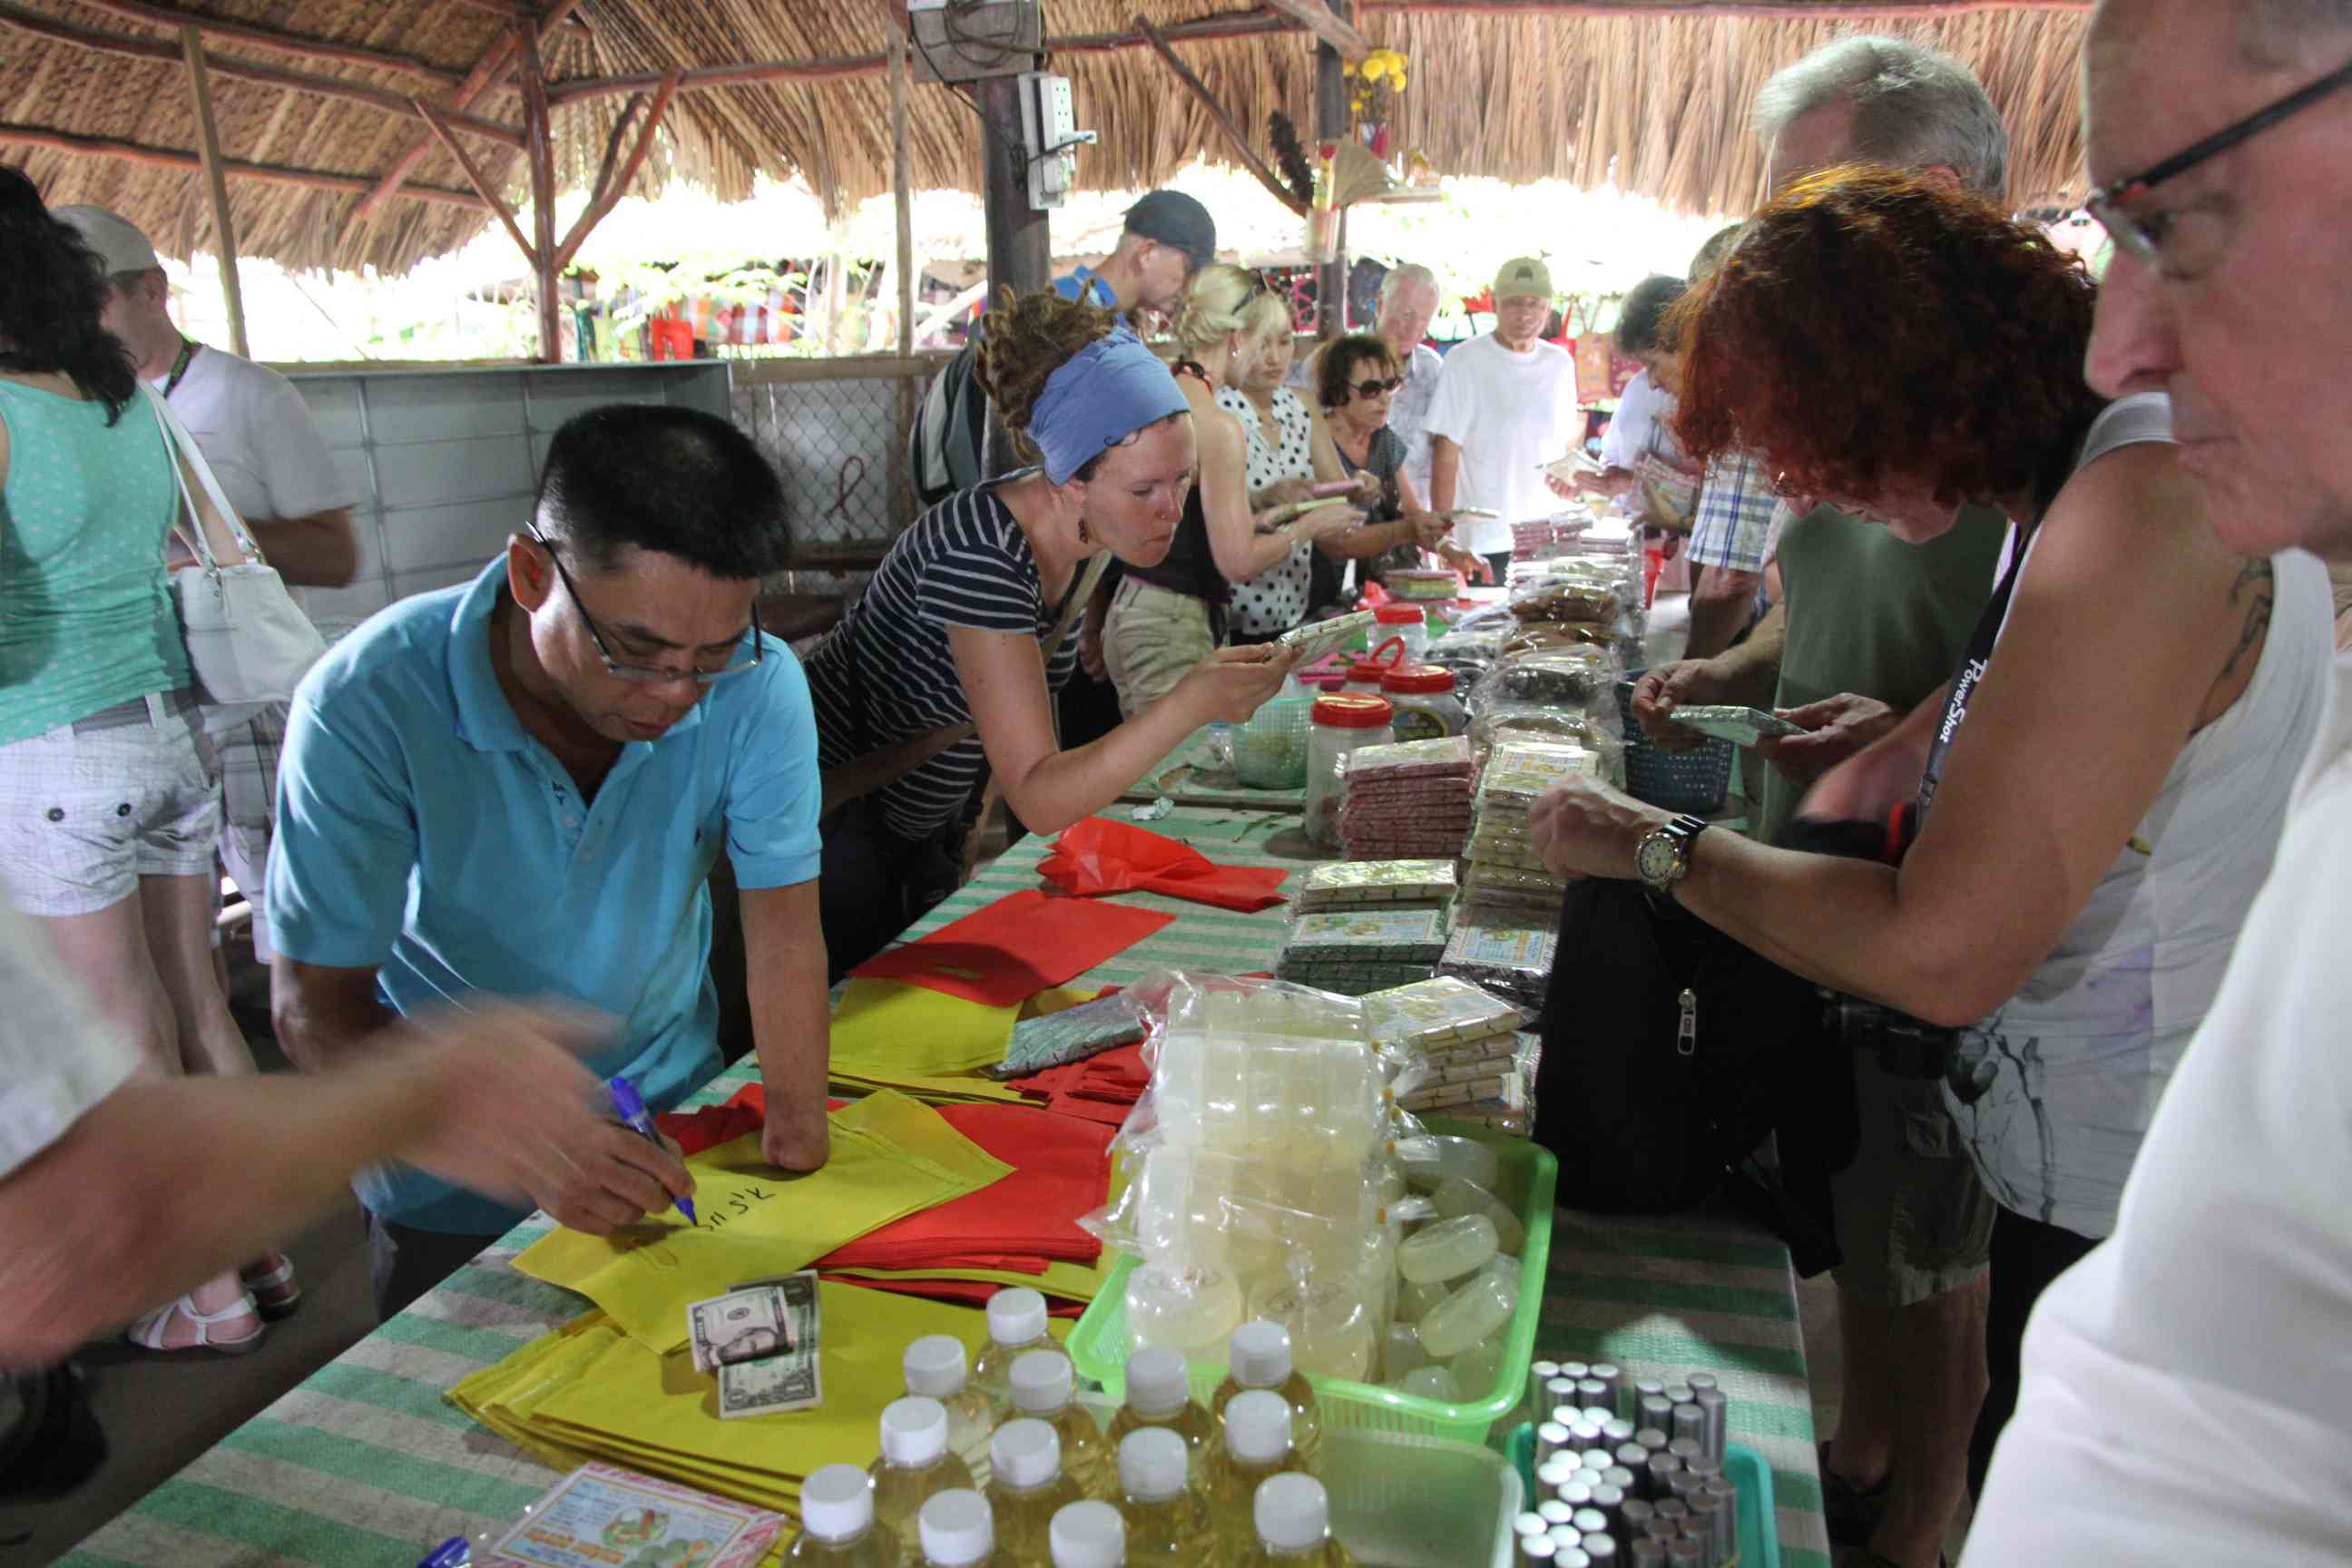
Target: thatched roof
pixel 1517 91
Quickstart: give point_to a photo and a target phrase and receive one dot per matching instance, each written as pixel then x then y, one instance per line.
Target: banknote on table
pixel 773 1386
pixel 761 1318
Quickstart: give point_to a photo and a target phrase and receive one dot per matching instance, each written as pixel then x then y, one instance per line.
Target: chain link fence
pixel 837 430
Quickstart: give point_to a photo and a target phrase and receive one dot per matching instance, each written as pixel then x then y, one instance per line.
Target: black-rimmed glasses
pixel 646 675
pixel 2184 243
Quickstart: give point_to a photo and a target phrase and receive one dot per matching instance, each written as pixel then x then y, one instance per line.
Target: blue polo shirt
pixel 422 832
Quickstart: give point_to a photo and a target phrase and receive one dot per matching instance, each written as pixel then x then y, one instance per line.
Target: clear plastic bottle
pixel 1291 1517
pixel 916 1465
pixel 1189 1312
pixel 959 1531
pixel 1016 1325
pixel 1044 1388
pixel 1159 1394
pixel 1257 1445
pixel 1089 1535
pixel 1258 1356
pixel 1330 1322
pixel 1167 1523
pixel 1026 1488
pixel 838 1522
pixel 935 1368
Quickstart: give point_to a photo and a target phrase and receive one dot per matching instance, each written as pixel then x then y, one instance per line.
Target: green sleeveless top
pixel 86 619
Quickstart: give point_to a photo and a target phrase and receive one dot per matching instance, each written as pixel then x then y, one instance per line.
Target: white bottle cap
pixel 934 1366
pixel 1042 1381
pixel 836 1503
pixel 1291 1512
pixel 1155 1382
pixel 955 1527
pixel 1260 1354
pixel 1257 1427
pixel 914 1431
pixel 1153 1464
pixel 1088 1535
pixel 1016 1315
pixel 1025 1453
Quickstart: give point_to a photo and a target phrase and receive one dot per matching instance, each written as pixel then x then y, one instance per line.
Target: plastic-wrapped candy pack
pixel 1437 1013
pixel 1515 961
pixel 1569 676
pixel 1348 884
pixel 1447 757
pixel 1564 597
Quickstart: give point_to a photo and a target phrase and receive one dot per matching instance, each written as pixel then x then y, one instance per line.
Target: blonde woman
pixel 1165 618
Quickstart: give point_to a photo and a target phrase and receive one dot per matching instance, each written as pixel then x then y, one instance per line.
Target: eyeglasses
pixel 1371 389
pixel 644 674
pixel 2184 243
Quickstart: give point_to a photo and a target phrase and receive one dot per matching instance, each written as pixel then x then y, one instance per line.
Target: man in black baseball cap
pixel 1168 238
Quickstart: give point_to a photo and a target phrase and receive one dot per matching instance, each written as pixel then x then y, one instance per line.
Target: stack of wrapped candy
pixel 1351 884
pixel 1366 949
pixel 1409 800
pixel 1507 883
pixel 1481 1067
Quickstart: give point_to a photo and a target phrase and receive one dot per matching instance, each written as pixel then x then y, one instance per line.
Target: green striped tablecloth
pixel 366 1466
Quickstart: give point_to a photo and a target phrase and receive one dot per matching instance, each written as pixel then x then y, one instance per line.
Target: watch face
pixel 1655 859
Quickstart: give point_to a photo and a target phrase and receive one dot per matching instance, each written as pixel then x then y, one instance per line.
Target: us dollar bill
pixel 776 1322
pixel 745 1325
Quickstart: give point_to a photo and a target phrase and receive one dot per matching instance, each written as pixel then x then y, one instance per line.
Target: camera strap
pixel 1964 685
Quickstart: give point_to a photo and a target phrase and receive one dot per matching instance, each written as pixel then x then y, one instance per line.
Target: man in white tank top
pixel 2185 1386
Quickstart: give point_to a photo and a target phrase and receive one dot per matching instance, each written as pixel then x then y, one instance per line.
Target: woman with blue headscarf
pixel 953 653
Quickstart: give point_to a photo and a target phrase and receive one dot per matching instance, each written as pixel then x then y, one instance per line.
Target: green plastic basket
pixel 1528 1176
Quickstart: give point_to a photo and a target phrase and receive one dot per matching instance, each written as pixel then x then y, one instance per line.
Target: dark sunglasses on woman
pixel 1371 389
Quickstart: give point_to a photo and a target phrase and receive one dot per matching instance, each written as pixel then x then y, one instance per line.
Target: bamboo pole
pixel 1317 19
pixel 78 145
pixel 902 189
pixel 261 36
pixel 1237 144
pixel 200 88
pixel 1331 125
pixel 536 124
pixel 610 190
pixel 481 182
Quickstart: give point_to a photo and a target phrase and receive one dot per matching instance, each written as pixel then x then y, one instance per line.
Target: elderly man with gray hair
pixel 2212 1335
pixel 1864 612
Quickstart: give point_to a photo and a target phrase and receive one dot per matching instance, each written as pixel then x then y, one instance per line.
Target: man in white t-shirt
pixel 274 465
pixel 1506 406
pixel 2185 1386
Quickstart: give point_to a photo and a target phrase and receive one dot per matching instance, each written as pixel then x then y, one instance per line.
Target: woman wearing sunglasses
pixel 2098 794
pixel 1356 382
pixel 1168 616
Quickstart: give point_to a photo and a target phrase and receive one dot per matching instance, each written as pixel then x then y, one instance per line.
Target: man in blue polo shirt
pixel 519 786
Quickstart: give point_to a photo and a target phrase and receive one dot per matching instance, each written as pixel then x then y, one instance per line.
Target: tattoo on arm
pixel 2254 589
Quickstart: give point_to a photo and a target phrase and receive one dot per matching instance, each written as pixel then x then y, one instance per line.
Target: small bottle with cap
pixel 934 1367
pixel 1258 1357
pixel 1026 1488
pixel 915 1464
pixel 959 1531
pixel 1167 1523
pixel 838 1522
pixel 1159 1394
pixel 1016 1326
pixel 1089 1535
pixel 1044 1388
pixel 1291 1519
pixel 1256 1446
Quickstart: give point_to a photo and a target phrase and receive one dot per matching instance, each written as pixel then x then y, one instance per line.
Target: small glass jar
pixel 1407 622
pixel 1343 725
pixel 1426 706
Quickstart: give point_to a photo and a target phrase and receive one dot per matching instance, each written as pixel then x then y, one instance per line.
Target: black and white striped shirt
pixel 887 673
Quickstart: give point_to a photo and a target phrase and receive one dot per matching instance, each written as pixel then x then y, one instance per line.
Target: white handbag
pixel 248 643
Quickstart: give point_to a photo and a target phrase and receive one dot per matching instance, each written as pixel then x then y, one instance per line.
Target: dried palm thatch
pixel 1657 103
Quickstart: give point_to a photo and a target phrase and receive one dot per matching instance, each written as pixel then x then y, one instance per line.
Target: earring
pixel 1084 537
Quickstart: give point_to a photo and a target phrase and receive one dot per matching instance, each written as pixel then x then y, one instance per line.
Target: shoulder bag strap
pixel 235 546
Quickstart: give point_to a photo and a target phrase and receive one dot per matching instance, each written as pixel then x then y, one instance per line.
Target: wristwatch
pixel 1662 859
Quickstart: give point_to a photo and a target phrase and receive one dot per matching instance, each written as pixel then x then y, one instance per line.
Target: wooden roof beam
pixel 488 71
pixel 1237 143
pixel 342 87
pixel 1320 20
pixel 475 177
pixel 1723 10
pixel 175 158
pixel 610 186
pixel 515 11
pixel 261 36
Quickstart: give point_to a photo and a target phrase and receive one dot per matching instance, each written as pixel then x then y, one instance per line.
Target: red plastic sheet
pixel 1017 946
pixel 1099 856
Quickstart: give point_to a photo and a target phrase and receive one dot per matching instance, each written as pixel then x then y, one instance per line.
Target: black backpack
pixel 1670 1052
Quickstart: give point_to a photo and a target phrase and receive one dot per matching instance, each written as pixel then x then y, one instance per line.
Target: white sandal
pixel 148 1331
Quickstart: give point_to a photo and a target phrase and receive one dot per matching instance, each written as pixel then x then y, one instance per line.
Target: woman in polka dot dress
pixel 110 794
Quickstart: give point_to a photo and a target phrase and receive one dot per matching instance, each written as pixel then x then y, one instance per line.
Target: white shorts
pixel 248 765
pixel 88 808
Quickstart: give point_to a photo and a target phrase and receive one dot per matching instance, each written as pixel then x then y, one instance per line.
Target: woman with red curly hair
pixel 2097 794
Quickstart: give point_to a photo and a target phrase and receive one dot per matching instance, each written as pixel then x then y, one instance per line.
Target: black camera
pixel 1906 1046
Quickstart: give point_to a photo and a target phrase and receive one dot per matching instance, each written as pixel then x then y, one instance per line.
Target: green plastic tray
pixel 1528 1176
pixel 1759 1534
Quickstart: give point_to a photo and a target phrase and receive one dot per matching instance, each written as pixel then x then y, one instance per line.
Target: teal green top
pixel 85 615
pixel 1871 615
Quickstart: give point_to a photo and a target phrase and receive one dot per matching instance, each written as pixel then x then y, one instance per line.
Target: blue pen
pixel 630 1106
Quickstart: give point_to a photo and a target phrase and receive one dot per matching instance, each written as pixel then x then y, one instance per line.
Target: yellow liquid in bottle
pixel 1230 1490
pixel 1024 1518
pixel 1174 1533
pixel 900 1492
pixel 991 1372
pixel 1087 1456
pixel 1330 1554
pixel 1189 1421
pixel 1306 1429
pixel 872 1549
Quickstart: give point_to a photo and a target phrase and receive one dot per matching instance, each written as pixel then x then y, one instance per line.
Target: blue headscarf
pixel 1108 390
